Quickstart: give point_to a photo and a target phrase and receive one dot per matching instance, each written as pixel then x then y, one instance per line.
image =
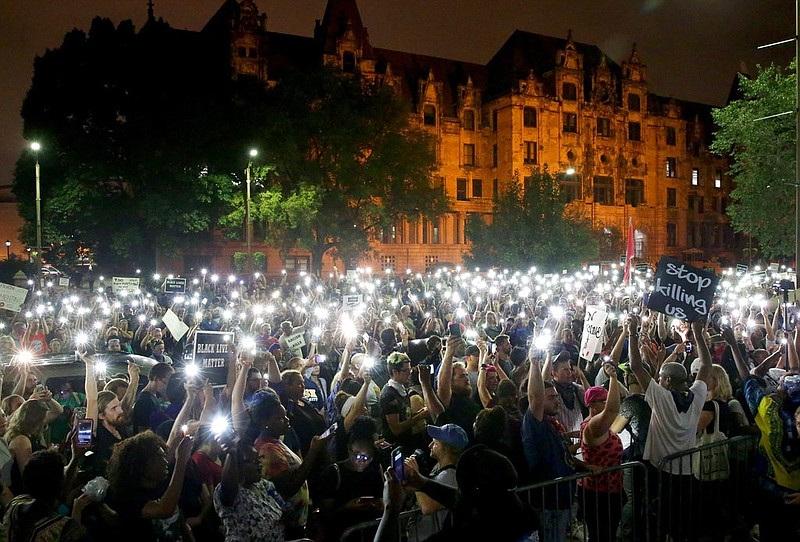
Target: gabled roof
pixel 524 52
pixel 339 15
pixel 412 67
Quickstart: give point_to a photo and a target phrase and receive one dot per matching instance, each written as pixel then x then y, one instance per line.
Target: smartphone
pixel 454 329
pixel 330 430
pixel 689 347
pixel 85 428
pixel 397 463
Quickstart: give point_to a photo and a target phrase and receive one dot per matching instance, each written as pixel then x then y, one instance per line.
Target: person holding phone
pixel 395 402
pixel 350 490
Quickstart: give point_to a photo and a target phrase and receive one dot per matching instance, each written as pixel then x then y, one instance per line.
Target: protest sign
pixel 593 325
pixel 12 297
pixel 296 342
pixel 211 352
pixel 682 291
pixel 63 282
pixel 741 269
pixel 175 325
pixel 124 284
pixel 175 286
pixel 351 301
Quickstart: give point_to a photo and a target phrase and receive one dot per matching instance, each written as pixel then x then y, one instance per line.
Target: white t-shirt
pixel 672 431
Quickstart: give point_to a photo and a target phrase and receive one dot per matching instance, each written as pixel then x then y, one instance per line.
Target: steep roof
pixel 341 15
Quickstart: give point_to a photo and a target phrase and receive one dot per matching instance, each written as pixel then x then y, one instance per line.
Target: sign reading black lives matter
pixel 211 349
pixel 682 291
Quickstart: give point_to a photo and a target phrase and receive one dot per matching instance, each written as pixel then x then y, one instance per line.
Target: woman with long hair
pixel 24 437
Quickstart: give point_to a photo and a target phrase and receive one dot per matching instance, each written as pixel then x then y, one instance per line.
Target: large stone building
pixel 621 152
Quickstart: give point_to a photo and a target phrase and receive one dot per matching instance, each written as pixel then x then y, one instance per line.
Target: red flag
pixel 629 253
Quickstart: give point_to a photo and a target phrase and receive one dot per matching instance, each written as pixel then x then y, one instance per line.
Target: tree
pixel 763 158
pixel 342 162
pixel 139 137
pixel 531 226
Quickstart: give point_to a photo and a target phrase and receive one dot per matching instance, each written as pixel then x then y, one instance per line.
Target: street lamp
pixel 8 249
pixel 253 154
pixel 35 147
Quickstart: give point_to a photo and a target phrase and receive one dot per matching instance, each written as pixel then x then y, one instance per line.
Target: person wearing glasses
pixel 351 490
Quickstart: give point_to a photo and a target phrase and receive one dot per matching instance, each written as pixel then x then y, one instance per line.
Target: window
pixel 530 153
pixel 529 117
pixel 634 102
pixel 389 235
pixel 634 131
pixel 700 200
pixel 429 115
pixel 571 123
pixel 425 232
pixel 251 52
pixel 456 229
pixel 388 262
pixel 438 184
pixel 570 187
pixel 477 188
pixel 604 127
pixel 695 176
pixel 672 234
pixel 569 92
pixel 494 120
pixel 435 238
pixel 494 155
pixel 469 120
pixel 718 178
pixel 672 167
pixel 495 189
pixel 714 203
pixel 604 190
pixel 461 190
pixel 672 197
pixel 412 232
pixel 670 136
pixel 696 203
pixel 634 192
pixel 242 52
pixel 430 263
pixel 349 62
pixel 469 154
pixel 296 264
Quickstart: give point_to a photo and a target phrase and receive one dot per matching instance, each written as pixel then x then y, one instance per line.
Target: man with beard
pixel 110 430
pixel 454 402
pixel 502 353
pixel 571 407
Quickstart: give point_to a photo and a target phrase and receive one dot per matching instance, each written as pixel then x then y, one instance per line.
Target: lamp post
pixel 35 147
pixel 8 250
pixel 248 233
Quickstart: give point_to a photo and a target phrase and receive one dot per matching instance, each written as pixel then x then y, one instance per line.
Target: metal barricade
pixel 695 497
pixel 569 511
pixel 413 526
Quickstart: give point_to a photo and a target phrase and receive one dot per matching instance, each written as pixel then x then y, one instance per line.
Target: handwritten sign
pixel 175 325
pixel 296 341
pixel 63 282
pixel 593 325
pixel 741 269
pixel 124 284
pixel 211 349
pixel 682 291
pixel 12 297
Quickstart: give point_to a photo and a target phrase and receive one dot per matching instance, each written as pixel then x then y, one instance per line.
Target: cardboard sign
pixel 124 284
pixel 593 326
pixel 296 341
pixel 175 324
pixel 175 286
pixel 211 351
pixel 682 291
pixel 63 282
pixel 351 301
pixel 773 267
pixel 642 267
pixel 741 269
pixel 12 297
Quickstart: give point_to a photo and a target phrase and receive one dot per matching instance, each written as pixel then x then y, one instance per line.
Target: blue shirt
pixel 546 456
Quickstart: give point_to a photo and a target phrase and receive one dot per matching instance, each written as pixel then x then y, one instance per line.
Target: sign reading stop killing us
pixel 682 291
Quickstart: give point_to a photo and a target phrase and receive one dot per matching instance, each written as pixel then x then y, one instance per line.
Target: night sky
pixel 692 48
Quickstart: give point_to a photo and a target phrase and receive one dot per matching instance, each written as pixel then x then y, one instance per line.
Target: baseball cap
pixel 450 434
pixel 472 350
pixel 695 368
pixel 595 393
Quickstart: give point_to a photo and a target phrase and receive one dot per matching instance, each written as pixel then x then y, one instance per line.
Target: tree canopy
pixel 340 162
pixel 763 158
pixel 139 138
pixel 532 226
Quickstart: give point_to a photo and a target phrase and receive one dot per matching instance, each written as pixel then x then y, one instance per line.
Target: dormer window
pixel 634 102
pixel 349 62
pixel 569 92
pixel 429 115
pixel 469 120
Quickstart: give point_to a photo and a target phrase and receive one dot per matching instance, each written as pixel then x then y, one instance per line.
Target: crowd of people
pixel 346 399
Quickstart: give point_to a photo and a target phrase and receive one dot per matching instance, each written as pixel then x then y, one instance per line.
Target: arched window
pixel 429 115
pixel 349 62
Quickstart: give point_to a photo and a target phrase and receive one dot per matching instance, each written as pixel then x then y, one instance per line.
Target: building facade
pixel 621 153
